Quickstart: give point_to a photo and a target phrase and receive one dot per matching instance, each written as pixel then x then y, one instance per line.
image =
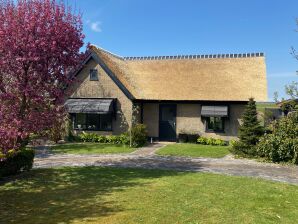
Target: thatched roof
pixel 210 77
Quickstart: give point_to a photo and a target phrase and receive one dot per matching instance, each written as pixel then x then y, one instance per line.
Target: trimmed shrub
pixel 16 161
pixel 211 141
pixel 138 135
pixel 109 139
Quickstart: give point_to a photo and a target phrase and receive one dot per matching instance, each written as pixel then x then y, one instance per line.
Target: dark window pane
pixel 106 122
pixel 80 121
pixel 93 122
pixel 215 124
pixel 93 74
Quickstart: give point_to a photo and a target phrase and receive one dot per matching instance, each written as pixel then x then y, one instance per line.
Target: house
pixel 203 94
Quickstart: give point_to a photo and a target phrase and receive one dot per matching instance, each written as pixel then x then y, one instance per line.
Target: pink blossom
pixel 34 36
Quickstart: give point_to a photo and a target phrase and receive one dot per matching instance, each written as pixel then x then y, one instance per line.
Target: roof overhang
pixel 214 111
pixel 90 106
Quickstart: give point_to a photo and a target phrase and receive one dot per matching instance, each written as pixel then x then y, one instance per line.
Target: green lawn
pixel 194 150
pixel 91 148
pixel 128 196
pixel 261 106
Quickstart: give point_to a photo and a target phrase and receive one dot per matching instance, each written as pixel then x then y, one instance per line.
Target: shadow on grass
pixel 82 148
pixel 86 146
pixel 67 194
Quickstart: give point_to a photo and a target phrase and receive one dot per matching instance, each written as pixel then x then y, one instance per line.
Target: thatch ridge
pixel 214 78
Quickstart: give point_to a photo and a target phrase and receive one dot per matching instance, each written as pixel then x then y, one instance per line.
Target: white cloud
pixel 95 26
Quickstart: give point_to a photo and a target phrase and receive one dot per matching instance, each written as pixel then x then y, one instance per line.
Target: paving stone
pixel 146 158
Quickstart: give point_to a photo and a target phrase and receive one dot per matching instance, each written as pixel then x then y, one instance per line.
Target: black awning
pixel 90 106
pixel 214 111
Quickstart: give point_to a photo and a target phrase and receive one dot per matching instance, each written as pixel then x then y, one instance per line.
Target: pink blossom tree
pixel 40 43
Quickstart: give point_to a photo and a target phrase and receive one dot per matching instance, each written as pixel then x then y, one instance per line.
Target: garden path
pixel 146 158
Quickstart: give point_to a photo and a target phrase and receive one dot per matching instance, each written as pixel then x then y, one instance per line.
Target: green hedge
pixel 110 139
pixel 16 161
pixel 211 141
pixel 138 137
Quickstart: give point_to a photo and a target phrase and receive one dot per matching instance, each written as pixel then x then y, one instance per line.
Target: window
pixel 92 122
pixel 215 124
pixel 93 75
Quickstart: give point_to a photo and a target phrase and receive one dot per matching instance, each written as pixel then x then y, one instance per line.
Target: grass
pixel 111 195
pixel 261 110
pixel 261 106
pixel 194 150
pixel 91 148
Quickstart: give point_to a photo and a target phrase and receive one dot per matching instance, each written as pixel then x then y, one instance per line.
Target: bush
pixel 277 149
pixel 211 141
pixel 16 161
pixel 282 144
pixel 138 135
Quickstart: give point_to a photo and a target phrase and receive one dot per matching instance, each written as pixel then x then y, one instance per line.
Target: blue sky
pixel 171 27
